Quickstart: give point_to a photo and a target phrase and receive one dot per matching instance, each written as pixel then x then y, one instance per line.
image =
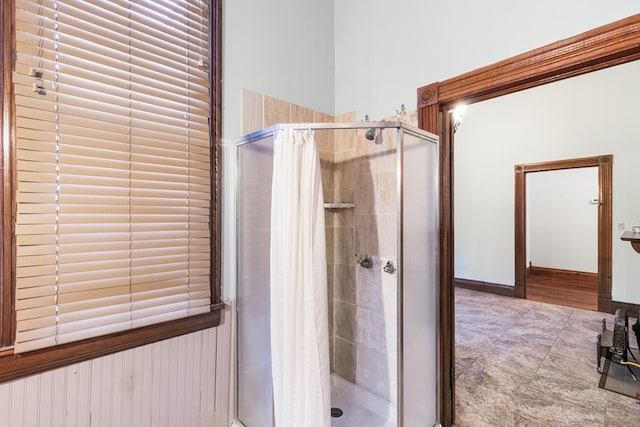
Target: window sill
pixel 14 366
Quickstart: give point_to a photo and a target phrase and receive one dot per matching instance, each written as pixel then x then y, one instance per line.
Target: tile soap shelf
pixel 339 205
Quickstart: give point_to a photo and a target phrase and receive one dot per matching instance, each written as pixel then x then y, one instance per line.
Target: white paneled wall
pixel 181 382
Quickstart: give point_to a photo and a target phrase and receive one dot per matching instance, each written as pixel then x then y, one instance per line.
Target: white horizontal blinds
pixel 114 184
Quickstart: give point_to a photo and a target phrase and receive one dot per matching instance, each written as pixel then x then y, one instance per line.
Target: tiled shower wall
pixel 376 234
pixel 340 229
pixel 260 111
pixel 362 302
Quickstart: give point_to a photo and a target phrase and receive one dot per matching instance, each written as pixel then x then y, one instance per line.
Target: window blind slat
pixel 113 167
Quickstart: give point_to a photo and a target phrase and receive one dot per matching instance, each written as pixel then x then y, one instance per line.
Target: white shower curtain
pixel 299 318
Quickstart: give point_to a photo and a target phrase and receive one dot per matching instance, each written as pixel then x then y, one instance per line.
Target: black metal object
pixel 613 344
pixel 636 329
pixel 336 412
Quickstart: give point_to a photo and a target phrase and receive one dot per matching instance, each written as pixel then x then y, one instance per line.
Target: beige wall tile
pixel 300 114
pixel 332 350
pixel 385 193
pixel 319 117
pixel 343 217
pixel 328 194
pixel 346 117
pixel 344 170
pixel 345 195
pixel 330 281
pixel 382 161
pixel 344 359
pixel 329 216
pixel 344 316
pixel 376 371
pixel 325 140
pixel 364 196
pixel 366 241
pixel 330 243
pixel 331 318
pixel 347 139
pixel 344 283
pixel 327 168
pixel 330 294
pixel 276 111
pixel 343 250
pixel 387 231
pixel 369 285
pixel 376 235
pixel 252 112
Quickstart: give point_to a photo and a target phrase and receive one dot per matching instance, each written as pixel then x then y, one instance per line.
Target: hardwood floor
pixel 562 287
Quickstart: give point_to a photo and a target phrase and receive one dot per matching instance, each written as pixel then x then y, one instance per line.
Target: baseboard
pixel 562 274
pixel 632 309
pixel 492 288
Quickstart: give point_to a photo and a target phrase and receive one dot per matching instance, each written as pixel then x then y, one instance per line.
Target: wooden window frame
pixel 13 366
pixel 606 46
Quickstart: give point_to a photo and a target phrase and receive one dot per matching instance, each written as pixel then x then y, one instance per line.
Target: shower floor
pixel 360 407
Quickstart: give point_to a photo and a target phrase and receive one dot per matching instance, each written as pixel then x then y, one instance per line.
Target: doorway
pixel 565 286
pixel 603 47
pixel 605 189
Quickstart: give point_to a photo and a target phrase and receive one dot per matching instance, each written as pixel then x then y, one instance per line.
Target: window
pixel 111 173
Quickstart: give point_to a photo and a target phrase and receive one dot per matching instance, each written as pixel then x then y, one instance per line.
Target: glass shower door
pixel 255 169
pixel 419 270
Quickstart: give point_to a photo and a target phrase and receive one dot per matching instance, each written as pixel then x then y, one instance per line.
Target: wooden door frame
pixel 605 222
pixel 606 46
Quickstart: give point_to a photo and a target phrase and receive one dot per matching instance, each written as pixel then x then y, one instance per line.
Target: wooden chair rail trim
pixel 14 366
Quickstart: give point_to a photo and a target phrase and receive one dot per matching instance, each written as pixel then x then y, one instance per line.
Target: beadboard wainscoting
pixel 180 382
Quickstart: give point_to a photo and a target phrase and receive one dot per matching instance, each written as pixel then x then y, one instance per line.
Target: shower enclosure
pixel 381 208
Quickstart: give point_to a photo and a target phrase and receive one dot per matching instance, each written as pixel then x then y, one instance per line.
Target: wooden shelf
pixel 633 238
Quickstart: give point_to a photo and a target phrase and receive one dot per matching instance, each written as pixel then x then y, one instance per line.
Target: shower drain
pixel 336 412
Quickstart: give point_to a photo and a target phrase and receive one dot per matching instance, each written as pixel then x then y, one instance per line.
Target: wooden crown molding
pixel 602 47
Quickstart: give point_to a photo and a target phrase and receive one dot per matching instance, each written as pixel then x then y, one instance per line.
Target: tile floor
pixel 525 363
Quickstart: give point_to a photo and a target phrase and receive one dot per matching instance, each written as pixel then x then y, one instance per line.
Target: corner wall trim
pixel 492 288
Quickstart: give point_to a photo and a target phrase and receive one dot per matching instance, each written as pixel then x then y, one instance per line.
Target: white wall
pixel 562 223
pixel 281 48
pixel 590 115
pixel 386 50
pixel 182 381
pixel 370 56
